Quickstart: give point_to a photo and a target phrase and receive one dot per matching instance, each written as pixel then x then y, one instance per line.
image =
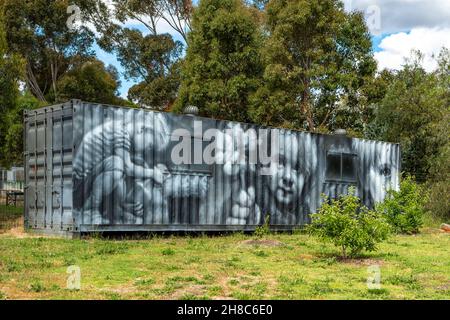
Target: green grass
pixel 412 267
pixel 11 210
pixel 9 217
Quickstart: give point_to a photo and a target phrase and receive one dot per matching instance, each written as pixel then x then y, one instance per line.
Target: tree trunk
pixel 32 83
pixel 344 252
pixel 306 109
pixel 54 71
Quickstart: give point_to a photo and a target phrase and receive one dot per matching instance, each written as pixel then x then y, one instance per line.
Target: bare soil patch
pixel 361 261
pixel 192 290
pixel 261 243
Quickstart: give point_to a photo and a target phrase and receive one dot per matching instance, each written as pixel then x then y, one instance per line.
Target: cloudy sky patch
pixel 404 26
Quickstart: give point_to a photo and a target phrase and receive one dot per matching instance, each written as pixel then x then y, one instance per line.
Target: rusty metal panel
pixel 96 167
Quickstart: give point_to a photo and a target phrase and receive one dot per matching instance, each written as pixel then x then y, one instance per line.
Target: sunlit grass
pixel 412 267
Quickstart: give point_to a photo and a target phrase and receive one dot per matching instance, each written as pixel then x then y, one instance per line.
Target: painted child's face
pixel 381 179
pixel 142 138
pixel 383 172
pixel 287 182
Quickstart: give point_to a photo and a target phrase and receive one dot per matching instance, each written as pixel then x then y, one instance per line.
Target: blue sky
pixel 398 27
pixel 108 58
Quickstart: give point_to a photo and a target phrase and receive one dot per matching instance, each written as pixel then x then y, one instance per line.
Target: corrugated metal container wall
pixel 92 167
pixel 48 169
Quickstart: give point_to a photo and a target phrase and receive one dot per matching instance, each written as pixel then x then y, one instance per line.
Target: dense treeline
pixel 303 64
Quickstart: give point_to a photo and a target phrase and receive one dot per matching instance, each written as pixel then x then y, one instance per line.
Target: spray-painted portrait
pixel 133 167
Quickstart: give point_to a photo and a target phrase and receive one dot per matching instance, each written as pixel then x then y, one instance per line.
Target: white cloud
pixel 404 15
pixel 397 47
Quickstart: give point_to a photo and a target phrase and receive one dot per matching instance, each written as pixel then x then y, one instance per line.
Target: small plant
pixel 261 253
pixel 349 225
pixel 111 248
pixel 144 282
pixel 404 209
pixel 168 252
pixel 37 286
pixel 264 229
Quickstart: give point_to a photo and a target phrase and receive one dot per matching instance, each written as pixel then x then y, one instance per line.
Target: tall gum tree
pixel 38 31
pixel 222 67
pixel 317 60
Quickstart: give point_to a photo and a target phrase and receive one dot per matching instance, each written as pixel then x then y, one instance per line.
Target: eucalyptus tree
pixel 318 59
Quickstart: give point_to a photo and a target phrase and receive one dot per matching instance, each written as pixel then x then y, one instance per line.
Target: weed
pixel 233 282
pixel 378 292
pixel 215 290
pixel 144 282
pixel 321 287
pixel 110 248
pixel 168 252
pixel 264 229
pixel 37 286
pixel 261 253
pixel 410 281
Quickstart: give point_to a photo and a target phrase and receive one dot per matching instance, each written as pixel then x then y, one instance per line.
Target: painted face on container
pixel 286 183
pixel 379 161
pixel 382 174
pixel 142 138
pixel 287 180
pixel 145 136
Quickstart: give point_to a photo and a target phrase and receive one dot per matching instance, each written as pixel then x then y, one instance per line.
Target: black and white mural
pixel 135 167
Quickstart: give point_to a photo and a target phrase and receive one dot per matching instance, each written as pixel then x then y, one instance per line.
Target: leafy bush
pixel 439 182
pixel 168 252
pixel 404 209
pixel 439 201
pixel 264 229
pixel 349 225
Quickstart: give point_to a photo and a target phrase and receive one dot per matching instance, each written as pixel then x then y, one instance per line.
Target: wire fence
pixel 11 209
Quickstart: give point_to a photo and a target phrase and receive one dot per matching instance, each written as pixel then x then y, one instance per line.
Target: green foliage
pixel 439 201
pixel 91 82
pixel 37 30
pixel 222 65
pixel 404 209
pixel 317 60
pixel 264 229
pixel 149 58
pixel 168 252
pixel 11 70
pixel 12 102
pixel 415 112
pixel 349 225
pixel 11 148
pixel 439 184
pixel 37 286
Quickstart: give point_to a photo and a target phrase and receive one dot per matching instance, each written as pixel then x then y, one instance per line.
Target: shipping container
pixel 92 167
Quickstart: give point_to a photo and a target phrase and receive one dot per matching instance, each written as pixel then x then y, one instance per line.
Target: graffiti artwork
pixel 138 167
pixel 128 169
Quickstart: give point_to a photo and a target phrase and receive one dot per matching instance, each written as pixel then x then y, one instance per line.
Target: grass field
pixel 9 217
pixel 222 267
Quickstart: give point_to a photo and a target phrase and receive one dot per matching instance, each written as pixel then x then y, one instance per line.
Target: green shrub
pixel 439 182
pixel 264 229
pixel 37 286
pixel 349 225
pixel 439 201
pixel 168 252
pixel 404 209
